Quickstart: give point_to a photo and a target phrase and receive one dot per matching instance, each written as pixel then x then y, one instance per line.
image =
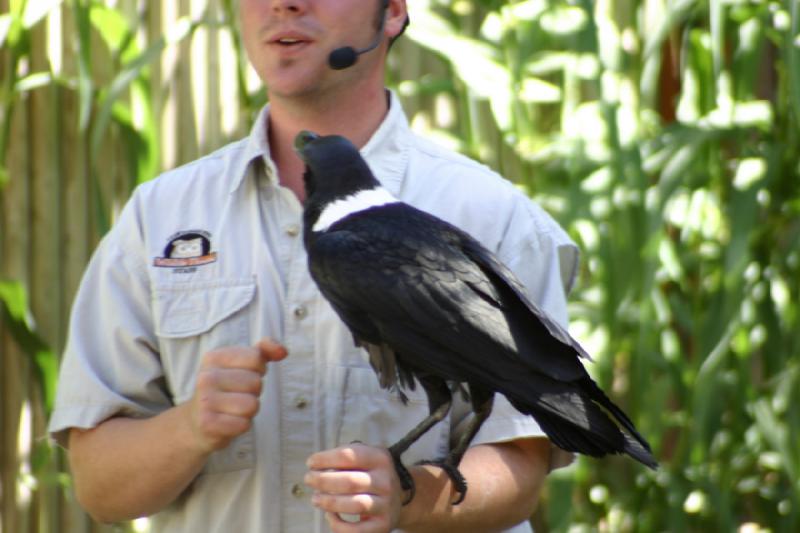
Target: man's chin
pixel 287 83
pixel 312 92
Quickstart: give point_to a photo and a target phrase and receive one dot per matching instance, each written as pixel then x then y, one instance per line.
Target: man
pixel 171 405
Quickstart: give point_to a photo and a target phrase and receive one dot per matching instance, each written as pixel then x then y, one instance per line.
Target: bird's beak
pixel 302 140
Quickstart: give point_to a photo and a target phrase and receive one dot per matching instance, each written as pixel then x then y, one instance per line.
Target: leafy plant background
pixel 662 134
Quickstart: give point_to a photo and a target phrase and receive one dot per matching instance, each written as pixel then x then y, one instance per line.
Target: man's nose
pixel 295 7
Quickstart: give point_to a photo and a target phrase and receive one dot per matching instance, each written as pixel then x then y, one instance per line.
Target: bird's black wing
pixel 415 285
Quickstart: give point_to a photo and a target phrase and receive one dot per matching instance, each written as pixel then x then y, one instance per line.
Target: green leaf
pixel 792 51
pixel 674 13
pixel 527 10
pixel 539 91
pixel 47 366
pixel 81 12
pixel 716 16
pixel 475 62
pixel 749 171
pixel 17 7
pixel 776 433
pixel 11 29
pixel 15 311
pixel 564 20
pixel 13 296
pixel 36 10
pixel 130 72
pixel 5 27
pixel 112 26
pixel 33 81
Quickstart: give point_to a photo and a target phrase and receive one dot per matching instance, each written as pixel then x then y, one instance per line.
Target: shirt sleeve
pixel 545 260
pixel 111 365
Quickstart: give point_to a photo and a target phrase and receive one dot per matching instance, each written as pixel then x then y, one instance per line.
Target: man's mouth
pixel 290 40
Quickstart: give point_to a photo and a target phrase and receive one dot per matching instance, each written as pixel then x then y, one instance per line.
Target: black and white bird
pixel 429 302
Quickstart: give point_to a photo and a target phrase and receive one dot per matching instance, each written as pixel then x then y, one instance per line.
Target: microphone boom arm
pixel 347 56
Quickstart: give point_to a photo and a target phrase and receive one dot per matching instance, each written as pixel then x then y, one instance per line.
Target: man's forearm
pixel 126 468
pixel 504 482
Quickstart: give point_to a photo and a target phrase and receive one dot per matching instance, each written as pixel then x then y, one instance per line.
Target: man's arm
pixel 504 481
pixel 125 468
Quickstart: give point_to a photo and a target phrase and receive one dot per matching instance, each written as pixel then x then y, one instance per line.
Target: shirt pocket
pixel 193 318
pixel 378 417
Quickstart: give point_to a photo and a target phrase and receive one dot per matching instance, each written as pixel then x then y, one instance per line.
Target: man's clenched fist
pixel 226 396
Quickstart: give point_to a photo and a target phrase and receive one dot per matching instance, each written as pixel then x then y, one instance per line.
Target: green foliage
pixel 663 135
pixel 14 312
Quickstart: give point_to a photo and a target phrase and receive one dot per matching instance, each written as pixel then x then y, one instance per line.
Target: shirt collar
pixel 256 146
pixel 386 151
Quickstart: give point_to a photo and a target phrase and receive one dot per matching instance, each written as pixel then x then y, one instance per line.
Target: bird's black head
pixel 334 167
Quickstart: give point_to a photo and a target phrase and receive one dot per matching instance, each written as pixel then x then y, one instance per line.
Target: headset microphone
pixel 346 56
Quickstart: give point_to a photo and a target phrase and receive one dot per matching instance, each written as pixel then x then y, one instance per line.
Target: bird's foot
pixel 459 483
pixel 406 481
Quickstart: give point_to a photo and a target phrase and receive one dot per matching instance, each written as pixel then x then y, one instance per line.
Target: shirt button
pixel 293 230
pixel 301 402
pixel 298 491
pixel 300 312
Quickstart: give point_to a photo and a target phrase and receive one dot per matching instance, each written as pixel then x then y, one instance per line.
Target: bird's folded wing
pixel 501 275
pixel 451 310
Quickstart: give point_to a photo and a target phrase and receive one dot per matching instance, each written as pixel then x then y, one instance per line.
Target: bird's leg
pixel 439 402
pixel 482 401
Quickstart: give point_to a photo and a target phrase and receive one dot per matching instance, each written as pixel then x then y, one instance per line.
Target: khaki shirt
pixel 211 255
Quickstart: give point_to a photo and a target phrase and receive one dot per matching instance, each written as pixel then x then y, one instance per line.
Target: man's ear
pixel 396 17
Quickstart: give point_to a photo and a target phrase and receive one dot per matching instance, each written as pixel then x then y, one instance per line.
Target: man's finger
pixel 354 504
pixel 232 403
pixel 231 380
pixel 270 351
pixel 341 482
pixel 241 357
pixel 349 457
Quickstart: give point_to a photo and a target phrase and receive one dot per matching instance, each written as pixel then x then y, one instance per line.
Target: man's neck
pixel 353 114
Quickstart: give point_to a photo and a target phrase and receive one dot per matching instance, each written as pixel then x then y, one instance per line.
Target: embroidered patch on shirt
pixel 187 249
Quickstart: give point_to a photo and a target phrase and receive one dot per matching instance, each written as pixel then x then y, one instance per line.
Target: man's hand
pixel 227 393
pixel 356 480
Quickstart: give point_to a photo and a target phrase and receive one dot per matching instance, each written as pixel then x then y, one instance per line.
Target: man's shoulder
pixel 434 170
pixel 440 157
pixel 474 197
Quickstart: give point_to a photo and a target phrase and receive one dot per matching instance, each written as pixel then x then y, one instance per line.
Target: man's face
pixel 289 41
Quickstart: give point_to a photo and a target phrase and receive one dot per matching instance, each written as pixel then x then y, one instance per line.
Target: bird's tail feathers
pixel 572 438
pixel 640 452
pixel 601 398
pixel 580 422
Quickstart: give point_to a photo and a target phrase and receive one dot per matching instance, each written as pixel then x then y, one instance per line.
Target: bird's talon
pixel 459 483
pixel 406 481
pixel 461 496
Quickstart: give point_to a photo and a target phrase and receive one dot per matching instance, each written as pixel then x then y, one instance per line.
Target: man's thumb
pixel 270 350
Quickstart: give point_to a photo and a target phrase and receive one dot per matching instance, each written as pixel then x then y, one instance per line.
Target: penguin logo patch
pixel 186 250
